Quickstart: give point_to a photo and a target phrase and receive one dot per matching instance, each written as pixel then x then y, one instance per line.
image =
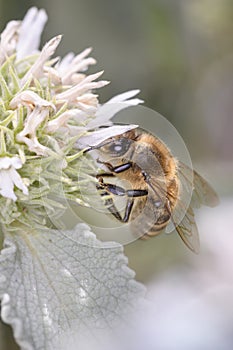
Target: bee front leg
pixel 117 169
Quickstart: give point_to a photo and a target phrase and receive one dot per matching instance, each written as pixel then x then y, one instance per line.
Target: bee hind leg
pixel 128 209
pixel 114 211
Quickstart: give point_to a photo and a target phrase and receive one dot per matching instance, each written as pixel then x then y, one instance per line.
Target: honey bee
pixel 161 190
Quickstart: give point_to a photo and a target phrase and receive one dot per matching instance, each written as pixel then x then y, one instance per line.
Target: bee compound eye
pixel 119 147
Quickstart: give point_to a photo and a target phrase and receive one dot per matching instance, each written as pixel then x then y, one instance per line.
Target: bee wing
pixel 188 231
pixel 203 193
pixel 184 223
pixel 196 190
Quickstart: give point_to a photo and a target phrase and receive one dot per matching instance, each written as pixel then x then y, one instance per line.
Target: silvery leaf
pixel 55 282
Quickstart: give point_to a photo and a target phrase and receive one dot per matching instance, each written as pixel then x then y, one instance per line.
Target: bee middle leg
pixel 120 191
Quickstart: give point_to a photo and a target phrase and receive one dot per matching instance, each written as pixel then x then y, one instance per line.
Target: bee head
pixel 116 146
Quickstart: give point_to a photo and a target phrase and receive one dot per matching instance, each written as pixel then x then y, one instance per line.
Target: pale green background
pixel 179 53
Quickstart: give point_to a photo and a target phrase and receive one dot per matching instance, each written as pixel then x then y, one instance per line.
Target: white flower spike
pixel 49 106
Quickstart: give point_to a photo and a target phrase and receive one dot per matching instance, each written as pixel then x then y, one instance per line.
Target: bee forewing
pixel 203 193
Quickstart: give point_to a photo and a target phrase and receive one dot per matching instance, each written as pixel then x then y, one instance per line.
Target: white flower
pixel 36 71
pixel 61 121
pixel 28 134
pixel 71 64
pixel 16 37
pixel 88 103
pixel 32 23
pixel 71 95
pixel 29 99
pixel 96 137
pixel 9 177
pixel 103 116
pixel 67 70
pixel 38 110
pixel 106 111
pixel 8 40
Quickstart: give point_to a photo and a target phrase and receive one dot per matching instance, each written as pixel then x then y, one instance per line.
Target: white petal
pixel 17 181
pixel 5 162
pixel 124 96
pixel 10 177
pixel 28 134
pixel 77 78
pixel 85 85
pixel 47 51
pixel 53 75
pixel 64 64
pixel 88 103
pixel 77 67
pixel 9 40
pixel 34 119
pixel 16 162
pixel 112 107
pixel 92 77
pixel 33 145
pixel 30 32
pixel 83 54
pixel 55 124
pixel 27 98
pixel 87 108
pixel 70 65
pixel 6 185
pixel 96 137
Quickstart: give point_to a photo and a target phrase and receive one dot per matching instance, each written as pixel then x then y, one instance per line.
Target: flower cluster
pixel 47 111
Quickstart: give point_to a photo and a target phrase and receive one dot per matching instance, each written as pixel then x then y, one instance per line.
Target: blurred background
pixel 179 53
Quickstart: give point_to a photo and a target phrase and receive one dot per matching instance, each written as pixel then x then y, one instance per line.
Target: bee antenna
pixel 88 149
